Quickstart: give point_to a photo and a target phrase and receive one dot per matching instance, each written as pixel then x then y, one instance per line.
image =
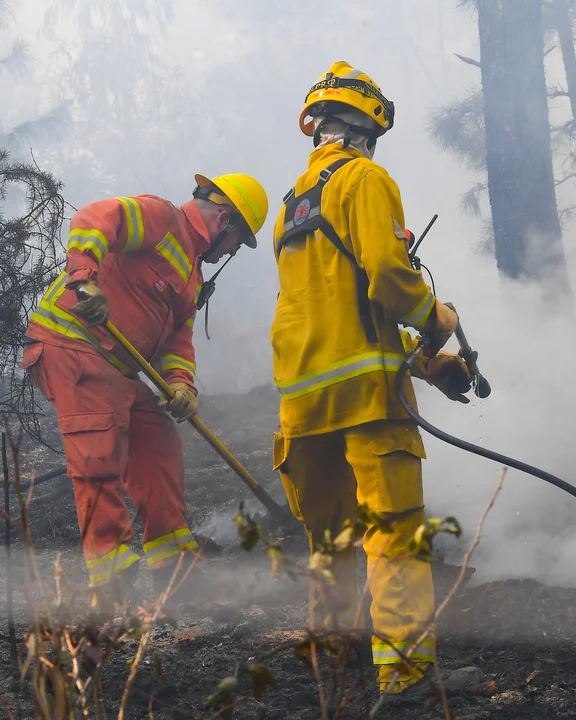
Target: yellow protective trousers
pixel 378 464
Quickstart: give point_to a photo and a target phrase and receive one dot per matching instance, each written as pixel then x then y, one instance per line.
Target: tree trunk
pixel 563 21
pixel 528 238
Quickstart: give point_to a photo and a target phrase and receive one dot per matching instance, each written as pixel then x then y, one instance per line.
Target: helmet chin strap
pixel 349 128
pixel 222 235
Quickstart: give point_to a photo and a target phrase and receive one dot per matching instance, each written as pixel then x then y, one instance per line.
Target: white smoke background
pixel 248 67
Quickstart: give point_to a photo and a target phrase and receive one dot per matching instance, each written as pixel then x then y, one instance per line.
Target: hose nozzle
pixel 480 385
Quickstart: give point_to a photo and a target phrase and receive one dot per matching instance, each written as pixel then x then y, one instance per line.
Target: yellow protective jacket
pixel 328 374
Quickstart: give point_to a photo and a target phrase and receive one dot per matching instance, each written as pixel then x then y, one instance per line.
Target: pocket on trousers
pixel 280 456
pixel 280 452
pixel 33 364
pixel 396 483
pixel 399 438
pixel 93 443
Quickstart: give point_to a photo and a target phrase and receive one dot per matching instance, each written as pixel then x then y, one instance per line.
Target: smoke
pixel 526 354
pixel 247 69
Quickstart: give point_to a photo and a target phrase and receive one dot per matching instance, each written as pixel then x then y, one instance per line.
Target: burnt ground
pixel 520 634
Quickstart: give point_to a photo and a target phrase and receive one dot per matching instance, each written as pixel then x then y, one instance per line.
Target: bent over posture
pixel 346 284
pixel 139 260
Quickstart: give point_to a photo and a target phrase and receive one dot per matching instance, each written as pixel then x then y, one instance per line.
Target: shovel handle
pixel 273 508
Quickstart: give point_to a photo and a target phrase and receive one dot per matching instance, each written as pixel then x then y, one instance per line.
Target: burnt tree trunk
pixel 528 238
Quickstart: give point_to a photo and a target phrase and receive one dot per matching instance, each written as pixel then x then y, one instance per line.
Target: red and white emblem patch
pixel 160 285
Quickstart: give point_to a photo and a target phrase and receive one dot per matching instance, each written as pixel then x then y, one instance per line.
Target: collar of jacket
pixel 200 235
pixel 329 153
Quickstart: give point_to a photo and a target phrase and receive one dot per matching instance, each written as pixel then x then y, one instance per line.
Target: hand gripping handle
pixel 479 383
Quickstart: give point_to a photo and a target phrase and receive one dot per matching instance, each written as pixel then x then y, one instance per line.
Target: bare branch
pixel 29 262
pixel 467 60
pixel 565 179
pixel 466 562
pixel 557 93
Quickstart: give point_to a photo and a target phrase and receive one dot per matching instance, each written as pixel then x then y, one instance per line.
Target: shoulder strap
pixel 303 217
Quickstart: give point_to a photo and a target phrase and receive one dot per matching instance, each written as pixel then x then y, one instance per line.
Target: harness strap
pixel 305 218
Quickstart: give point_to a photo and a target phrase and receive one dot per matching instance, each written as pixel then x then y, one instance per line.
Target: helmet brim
pixel 248 238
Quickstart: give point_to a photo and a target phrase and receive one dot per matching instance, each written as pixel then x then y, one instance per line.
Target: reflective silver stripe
pixel 313 212
pixel 69 327
pixel 173 252
pixel 160 549
pixel 363 364
pixel 101 569
pixel 87 239
pixel 418 316
pixel 92 240
pixel 352 75
pixel 100 565
pixel 389 655
pixel 66 324
pixel 171 362
pixel 55 287
pixel 134 224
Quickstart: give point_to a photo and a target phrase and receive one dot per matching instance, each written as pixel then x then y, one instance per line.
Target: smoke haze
pixel 217 88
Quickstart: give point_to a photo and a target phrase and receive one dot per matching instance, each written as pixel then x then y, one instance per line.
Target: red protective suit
pixel 144 252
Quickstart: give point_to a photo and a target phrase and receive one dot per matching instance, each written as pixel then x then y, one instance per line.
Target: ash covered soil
pixel 520 634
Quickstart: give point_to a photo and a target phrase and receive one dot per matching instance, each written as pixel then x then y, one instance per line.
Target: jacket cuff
pixel 80 275
pixel 173 376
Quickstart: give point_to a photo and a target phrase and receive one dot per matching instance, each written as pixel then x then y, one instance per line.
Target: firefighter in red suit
pixel 139 261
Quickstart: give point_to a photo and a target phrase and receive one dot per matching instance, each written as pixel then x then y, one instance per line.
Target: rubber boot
pixel 412 680
pixel 454 682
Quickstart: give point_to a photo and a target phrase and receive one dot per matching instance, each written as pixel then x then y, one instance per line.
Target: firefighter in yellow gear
pixel 346 285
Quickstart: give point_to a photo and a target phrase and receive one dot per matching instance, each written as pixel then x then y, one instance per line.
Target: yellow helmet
pixel 343 85
pixel 241 192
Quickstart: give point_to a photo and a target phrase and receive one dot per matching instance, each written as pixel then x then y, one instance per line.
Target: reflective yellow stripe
pixel 171 249
pixel 169 545
pixel 101 569
pixel 174 362
pixel 338 372
pixel 54 318
pixel 386 654
pixel 418 317
pixel 198 291
pixel 53 289
pixel 134 224
pixel 190 321
pixel 93 240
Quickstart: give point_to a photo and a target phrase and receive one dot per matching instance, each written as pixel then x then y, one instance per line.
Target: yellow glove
pixel 449 373
pixel 94 309
pixel 441 326
pixel 184 404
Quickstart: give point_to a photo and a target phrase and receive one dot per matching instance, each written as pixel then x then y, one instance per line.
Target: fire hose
pixel 481 389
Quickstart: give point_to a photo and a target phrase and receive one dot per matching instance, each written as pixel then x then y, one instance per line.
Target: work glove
pixel 449 373
pixel 441 326
pixel 184 404
pixel 95 308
